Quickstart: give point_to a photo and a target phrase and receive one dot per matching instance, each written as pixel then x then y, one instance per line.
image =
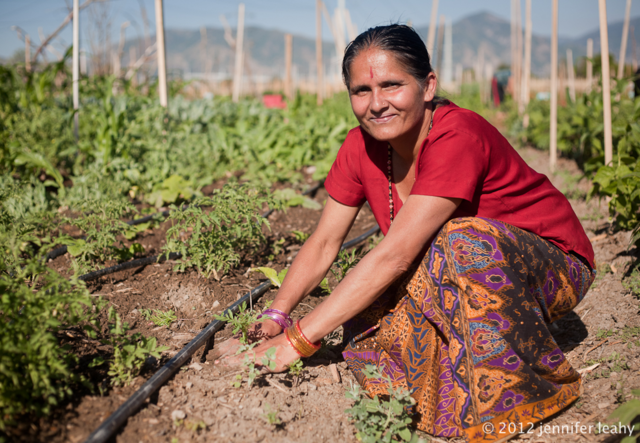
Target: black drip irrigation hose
pixel 63 249
pixel 133 403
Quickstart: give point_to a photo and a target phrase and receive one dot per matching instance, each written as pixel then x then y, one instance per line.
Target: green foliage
pixel 288 197
pixel 273 275
pixel 622 184
pixel 296 368
pixel 170 190
pixel 129 351
pixel 241 322
pixel 158 317
pixel 36 303
pixel 271 415
pixel 346 261
pixel 212 240
pixel 269 359
pixel 300 236
pixel 632 282
pixel 627 414
pixel 379 420
pixel 101 223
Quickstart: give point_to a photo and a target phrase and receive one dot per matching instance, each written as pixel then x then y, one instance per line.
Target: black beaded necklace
pixel 390 171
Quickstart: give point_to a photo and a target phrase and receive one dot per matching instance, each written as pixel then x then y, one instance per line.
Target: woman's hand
pixel 263 330
pixel 285 355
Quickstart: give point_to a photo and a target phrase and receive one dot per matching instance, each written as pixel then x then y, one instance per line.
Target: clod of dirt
pixel 185 299
pixel 178 415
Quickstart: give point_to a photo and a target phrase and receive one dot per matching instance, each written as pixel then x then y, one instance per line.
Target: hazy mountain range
pixel 186 52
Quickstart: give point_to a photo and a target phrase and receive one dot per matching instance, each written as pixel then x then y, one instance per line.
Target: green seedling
pixel 241 321
pixel 300 237
pixel 269 359
pixel 290 198
pixel 276 248
pixel 378 420
pixel 159 318
pixel 346 261
pixel 296 369
pixel 273 275
pixel 626 414
pixel 324 285
pixel 271 416
pixel 632 282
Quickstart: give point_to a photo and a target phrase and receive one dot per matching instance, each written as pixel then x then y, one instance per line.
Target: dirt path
pixel 199 404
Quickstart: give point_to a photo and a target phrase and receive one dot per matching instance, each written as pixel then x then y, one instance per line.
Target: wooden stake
pixel 440 42
pixel 571 75
pixel 133 56
pixel 589 64
pixel 27 52
pixel 432 27
pixel 518 77
pixel 606 82
pixel 553 135
pixel 634 54
pixel 526 73
pixel 623 44
pixel 162 61
pixel 514 44
pixel 319 66
pixel 76 66
pixel 237 75
pixel 288 86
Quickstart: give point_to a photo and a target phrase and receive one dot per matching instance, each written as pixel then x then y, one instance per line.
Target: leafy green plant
pixel 129 351
pixel 290 198
pixel 36 304
pixel 276 277
pixel 101 223
pixel 212 240
pixel 170 190
pixel 158 317
pixel 346 261
pixel 627 414
pixel 300 237
pixel 271 415
pixel 241 322
pixel 379 420
pixel 296 369
pixel 276 248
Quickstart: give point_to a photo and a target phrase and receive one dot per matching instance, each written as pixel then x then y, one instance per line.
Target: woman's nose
pixel 378 102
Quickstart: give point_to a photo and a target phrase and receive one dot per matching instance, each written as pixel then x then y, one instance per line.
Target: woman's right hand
pixel 263 330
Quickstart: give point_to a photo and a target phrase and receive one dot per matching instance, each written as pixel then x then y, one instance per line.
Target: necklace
pixel 390 171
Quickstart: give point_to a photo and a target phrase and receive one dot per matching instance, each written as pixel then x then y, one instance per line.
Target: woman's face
pixel 388 102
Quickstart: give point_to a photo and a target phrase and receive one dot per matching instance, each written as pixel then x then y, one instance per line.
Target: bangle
pixel 299 342
pixel 281 318
pixel 291 344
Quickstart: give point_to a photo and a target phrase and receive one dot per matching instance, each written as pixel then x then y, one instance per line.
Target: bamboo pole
pixel 440 44
pixel 513 48
pixel 319 66
pixel 606 82
pixel 432 27
pixel 553 136
pixel 237 75
pixel 571 75
pixel 518 77
pixel 288 87
pixel 162 61
pixel 634 54
pixel 589 64
pixel 76 66
pixel 526 73
pixel 27 52
pixel 623 44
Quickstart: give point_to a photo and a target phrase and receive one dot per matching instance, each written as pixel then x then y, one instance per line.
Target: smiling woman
pixel 480 255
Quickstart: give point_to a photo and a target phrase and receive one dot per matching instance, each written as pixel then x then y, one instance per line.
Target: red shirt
pixel 463 157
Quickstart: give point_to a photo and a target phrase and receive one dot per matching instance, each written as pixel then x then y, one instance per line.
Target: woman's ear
pixel 431 86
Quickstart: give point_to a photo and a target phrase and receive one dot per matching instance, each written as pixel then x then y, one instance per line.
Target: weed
pixel 195 426
pixel 241 321
pixel 346 261
pixel 276 248
pixel 289 198
pixel 381 420
pixel 158 317
pixel 129 351
pixel 296 369
pixel 626 414
pixel 275 277
pixel 605 333
pixel 271 416
pixel 210 241
pixel 300 237
pixel 632 282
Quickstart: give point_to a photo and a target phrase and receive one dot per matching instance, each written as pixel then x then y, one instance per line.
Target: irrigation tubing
pixel 133 403
pixel 63 249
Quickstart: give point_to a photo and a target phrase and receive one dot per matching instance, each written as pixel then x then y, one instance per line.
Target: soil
pixel 199 403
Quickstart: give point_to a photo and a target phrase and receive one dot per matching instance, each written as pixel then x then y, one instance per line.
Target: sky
pixel 575 17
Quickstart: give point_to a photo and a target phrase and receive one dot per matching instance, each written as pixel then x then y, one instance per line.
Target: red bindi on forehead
pixel 371 71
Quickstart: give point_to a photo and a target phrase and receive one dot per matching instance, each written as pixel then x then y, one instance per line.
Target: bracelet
pixel 281 318
pixel 299 342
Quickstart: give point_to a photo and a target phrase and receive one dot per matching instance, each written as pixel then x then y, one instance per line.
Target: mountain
pixel 264 48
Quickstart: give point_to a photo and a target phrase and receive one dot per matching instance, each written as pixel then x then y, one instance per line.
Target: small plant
pixel 241 321
pixel 195 425
pixel 129 351
pixel 269 359
pixel 632 283
pixel 210 240
pixel 300 237
pixel 346 261
pixel 290 198
pixel 158 317
pixel 170 190
pixel 277 249
pixel 271 416
pixel 626 414
pixel 296 369
pixel 273 275
pixel 249 367
pixel 324 285
pixel 101 223
pixel 381 420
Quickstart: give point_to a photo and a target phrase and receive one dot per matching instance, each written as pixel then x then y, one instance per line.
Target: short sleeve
pixel 343 182
pixel 453 165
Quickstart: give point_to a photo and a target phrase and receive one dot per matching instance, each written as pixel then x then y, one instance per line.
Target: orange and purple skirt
pixel 467 332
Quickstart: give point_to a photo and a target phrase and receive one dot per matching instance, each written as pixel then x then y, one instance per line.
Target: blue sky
pixel 576 17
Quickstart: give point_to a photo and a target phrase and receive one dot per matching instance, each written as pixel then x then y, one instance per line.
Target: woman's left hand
pixel 285 355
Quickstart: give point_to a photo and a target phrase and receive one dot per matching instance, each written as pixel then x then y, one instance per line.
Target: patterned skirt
pixel 467 331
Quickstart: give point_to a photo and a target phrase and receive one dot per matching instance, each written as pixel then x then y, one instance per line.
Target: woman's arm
pixel 419 220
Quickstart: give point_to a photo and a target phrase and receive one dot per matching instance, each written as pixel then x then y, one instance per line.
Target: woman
pixel 480 254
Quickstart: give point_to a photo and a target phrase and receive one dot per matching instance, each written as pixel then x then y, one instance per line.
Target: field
pixel 208 170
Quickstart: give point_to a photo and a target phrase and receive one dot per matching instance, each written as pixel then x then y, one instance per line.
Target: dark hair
pixel 401 40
